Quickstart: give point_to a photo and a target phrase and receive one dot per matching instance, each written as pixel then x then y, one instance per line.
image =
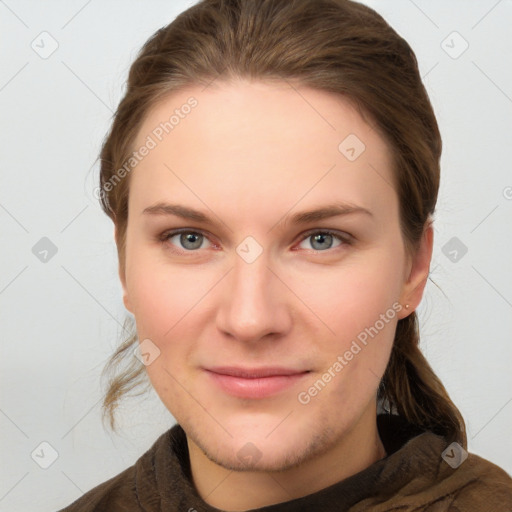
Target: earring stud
pixel 407 306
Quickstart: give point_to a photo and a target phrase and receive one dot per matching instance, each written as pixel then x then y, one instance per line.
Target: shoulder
pixel 488 476
pixel 478 484
pixel 118 490
pixel 439 476
pixel 124 491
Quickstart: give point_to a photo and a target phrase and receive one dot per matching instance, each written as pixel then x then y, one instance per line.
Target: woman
pixel 251 134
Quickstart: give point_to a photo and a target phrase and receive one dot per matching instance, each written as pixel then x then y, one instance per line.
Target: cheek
pixel 359 305
pixel 164 300
pixel 352 297
pixel 161 294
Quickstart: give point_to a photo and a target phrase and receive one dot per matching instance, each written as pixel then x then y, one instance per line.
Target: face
pixel 268 329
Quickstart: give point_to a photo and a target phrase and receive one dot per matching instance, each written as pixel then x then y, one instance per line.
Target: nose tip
pixel 254 303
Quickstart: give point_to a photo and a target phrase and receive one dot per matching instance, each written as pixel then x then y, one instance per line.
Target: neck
pixel 227 490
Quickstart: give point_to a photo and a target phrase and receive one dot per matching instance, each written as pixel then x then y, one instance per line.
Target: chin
pixel 263 456
pixel 264 443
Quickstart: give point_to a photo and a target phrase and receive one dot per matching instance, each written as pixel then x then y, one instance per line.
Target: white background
pixel 61 319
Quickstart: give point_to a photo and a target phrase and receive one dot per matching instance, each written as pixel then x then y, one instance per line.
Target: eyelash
pixel 344 239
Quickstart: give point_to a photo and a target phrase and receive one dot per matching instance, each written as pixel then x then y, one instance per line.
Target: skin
pixel 248 155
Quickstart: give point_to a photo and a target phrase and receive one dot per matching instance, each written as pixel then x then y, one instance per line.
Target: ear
pixel 122 277
pixel 418 270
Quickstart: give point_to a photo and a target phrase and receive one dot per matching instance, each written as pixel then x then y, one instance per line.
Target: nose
pixel 254 302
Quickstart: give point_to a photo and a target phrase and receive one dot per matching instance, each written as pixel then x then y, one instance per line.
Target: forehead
pixel 273 140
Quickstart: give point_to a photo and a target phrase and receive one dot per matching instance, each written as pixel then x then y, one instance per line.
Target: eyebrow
pixel 305 217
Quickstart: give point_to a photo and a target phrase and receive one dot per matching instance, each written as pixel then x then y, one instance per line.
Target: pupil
pixel 320 238
pixel 190 238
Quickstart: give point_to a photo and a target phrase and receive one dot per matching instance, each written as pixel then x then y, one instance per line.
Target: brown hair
pixel 336 46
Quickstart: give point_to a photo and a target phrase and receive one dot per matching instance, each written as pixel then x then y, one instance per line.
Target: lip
pixel 254 382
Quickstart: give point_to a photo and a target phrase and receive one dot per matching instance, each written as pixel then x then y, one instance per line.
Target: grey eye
pixel 321 240
pixel 191 240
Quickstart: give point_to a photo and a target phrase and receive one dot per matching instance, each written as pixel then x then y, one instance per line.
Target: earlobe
pixel 127 303
pixel 126 300
pixel 413 288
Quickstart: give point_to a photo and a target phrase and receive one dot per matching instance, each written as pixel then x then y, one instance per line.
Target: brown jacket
pixel 421 472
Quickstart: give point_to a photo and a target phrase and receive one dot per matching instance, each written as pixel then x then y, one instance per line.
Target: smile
pixel 254 383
